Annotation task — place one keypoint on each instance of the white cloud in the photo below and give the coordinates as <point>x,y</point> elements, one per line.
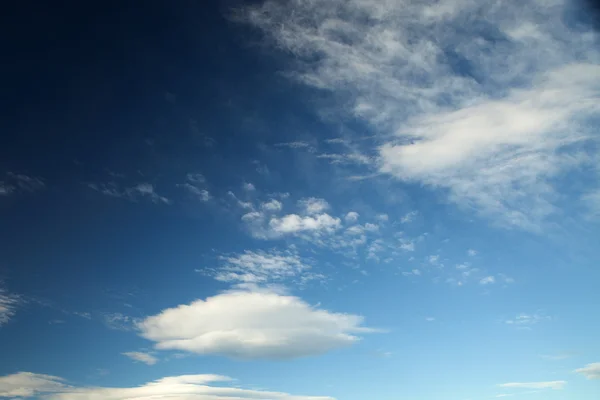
<point>351,217</point>
<point>296,145</point>
<point>261,267</point>
<point>146,358</point>
<point>429,319</point>
<point>194,187</point>
<point>592,202</point>
<point>408,217</point>
<point>527,319</point>
<point>590,371</point>
<point>313,205</point>
<point>407,245</point>
<point>132,193</point>
<point>346,158</point>
<point>8,306</point>
<point>252,325</point>
<point>272,205</point>
<point>249,187</point>
<point>183,387</point>
<point>556,385</point>
<point>200,194</point>
<point>492,110</point>
<point>487,280</point>
<point>472,253</point>
<point>293,223</point>
<point>27,384</point>
<point>119,321</point>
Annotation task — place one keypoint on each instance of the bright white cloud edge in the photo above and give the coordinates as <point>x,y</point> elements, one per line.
<point>258,324</point>
<point>183,387</point>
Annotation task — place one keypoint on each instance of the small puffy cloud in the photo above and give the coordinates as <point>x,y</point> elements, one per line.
<point>146,358</point>
<point>252,325</point>
<point>313,205</point>
<point>293,223</point>
<point>188,387</point>
<point>382,217</point>
<point>249,187</point>
<point>556,385</point>
<point>272,205</point>
<point>590,371</point>
<point>407,245</point>
<point>487,280</point>
<point>429,319</point>
<point>408,217</point>
<point>472,253</point>
<point>351,217</point>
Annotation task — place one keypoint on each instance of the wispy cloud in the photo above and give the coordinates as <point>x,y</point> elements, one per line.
<point>590,371</point>
<point>146,358</point>
<point>15,183</point>
<point>527,320</point>
<point>194,185</point>
<point>556,385</point>
<point>132,193</point>
<point>119,321</point>
<point>190,387</point>
<point>492,109</point>
<point>8,305</point>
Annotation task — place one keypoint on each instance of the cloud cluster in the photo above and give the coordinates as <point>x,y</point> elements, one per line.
<point>252,325</point>
<point>311,220</point>
<point>183,387</point>
<point>489,103</point>
<point>262,267</point>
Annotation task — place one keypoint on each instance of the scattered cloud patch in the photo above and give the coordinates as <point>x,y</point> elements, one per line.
<point>262,267</point>
<point>408,217</point>
<point>313,206</point>
<point>527,320</point>
<point>8,305</point>
<point>487,280</point>
<point>272,206</point>
<point>471,252</point>
<point>146,358</point>
<point>252,325</point>
<point>351,217</point>
<point>119,321</point>
<point>590,371</point>
<point>493,120</point>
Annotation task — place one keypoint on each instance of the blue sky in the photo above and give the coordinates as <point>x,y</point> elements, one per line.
<point>301,200</point>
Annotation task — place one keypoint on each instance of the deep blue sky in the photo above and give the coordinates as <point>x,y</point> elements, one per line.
<point>318,199</point>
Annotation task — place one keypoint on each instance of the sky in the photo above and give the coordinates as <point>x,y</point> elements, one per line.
<point>300,200</point>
